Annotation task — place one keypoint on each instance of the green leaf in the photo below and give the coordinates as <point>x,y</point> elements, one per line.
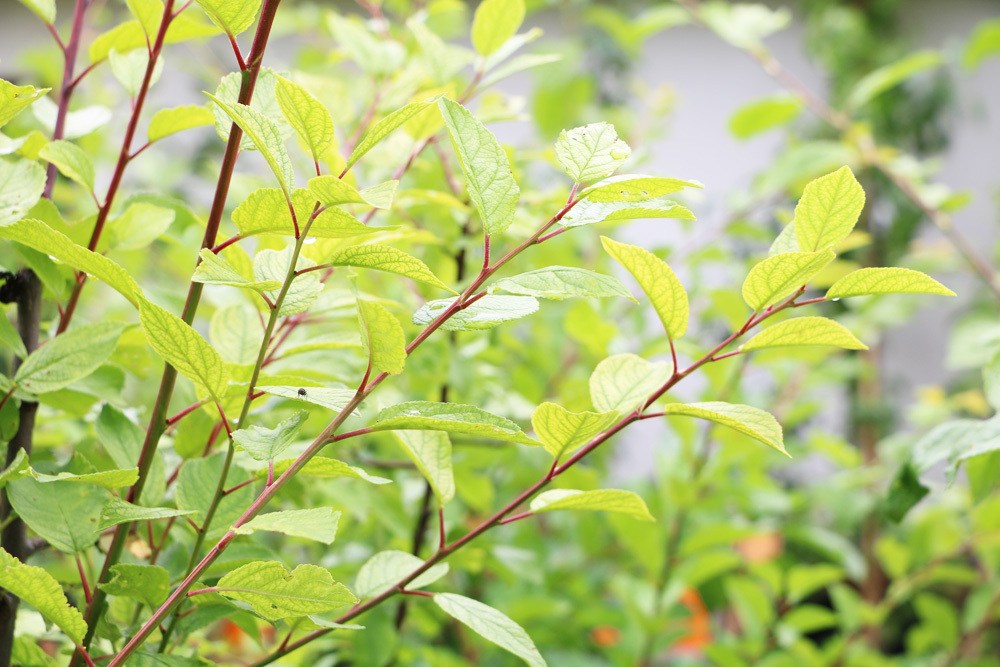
<point>44,9</point>
<point>751,421</point>
<point>266,444</point>
<point>598,500</point>
<point>135,34</point>
<point>386,568</point>
<point>382,338</point>
<point>213,269</point>
<point>633,188</point>
<point>592,212</point>
<point>233,16</point>
<point>275,593</point>
<point>148,584</point>
<point>129,69</point>
<point>591,152</point>
<point>123,441</point>
<point>197,483</point>
<point>21,185</point>
<point>68,357</point>
<point>335,399</point>
<point>623,381</point>
<point>266,137</point>
<point>562,432</point>
<point>106,479</point>
<point>265,211</point>
<point>386,126</point>
<point>828,210</point>
<point>318,523</point>
<point>326,468</point>
<point>333,191</point>
<point>71,161</point>
<point>488,312</point>
<point>17,469</point>
<point>140,225</point>
<point>235,332</point>
<point>984,43</point>
<point>386,258</point>
<point>562,282</point>
<point>886,280</point>
<point>118,511</point>
<point>177,119</point>
<point>762,115</point>
<point>64,514</point>
<point>494,22</point>
<point>183,348</point>
<point>451,417</point>
<point>380,195</point>
<point>804,331</point>
<point>430,451</point>
<point>489,179</point>
<point>744,25</point>
<point>14,99</point>
<point>40,589</point>
<point>885,78</point>
<point>272,266</point>
<point>307,116</point>
<point>657,280</point>
<point>491,625</point>
<point>781,275</point>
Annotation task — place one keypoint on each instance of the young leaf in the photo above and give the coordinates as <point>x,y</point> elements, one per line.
<point>779,276</point>
<point>44,9</point>
<point>633,188</point>
<point>382,337</point>
<point>430,451</point>
<point>491,625</point>
<point>562,431</point>
<point>748,420</point>
<point>451,417</point>
<point>762,115</point>
<point>592,212</point>
<point>332,191</point>
<point>383,570</point>
<point>266,136</point>
<point>489,178</point>
<point>171,121</point>
<point>14,99</point>
<point>266,444</point>
<point>386,258</point>
<point>828,210</point>
<point>488,312</point>
<point>331,398</point>
<point>307,116</point>
<point>804,331</point>
<point>129,69</point>
<point>69,357</point>
<point>885,280</point>
<point>326,468</point>
<point>562,282</point>
<point>317,523</point>
<point>272,266</point>
<point>885,78</point>
<point>64,514</point>
<point>657,280</point>
<point>235,332</point>
<point>265,211</point>
<point>183,348</point>
<point>71,160</point>
<point>598,500</point>
<point>118,511</point>
<point>275,593</point>
<point>40,589</point>
<point>106,479</point>
<point>233,16</point>
<point>21,185</point>
<point>148,584</point>
<point>17,469</point>
<point>591,152</point>
<point>387,126</point>
<point>380,195</point>
<point>213,269</point>
<point>494,22</point>
<point>622,381</point>
<point>140,225</point>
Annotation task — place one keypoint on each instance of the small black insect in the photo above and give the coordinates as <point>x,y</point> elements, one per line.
<point>302,392</point>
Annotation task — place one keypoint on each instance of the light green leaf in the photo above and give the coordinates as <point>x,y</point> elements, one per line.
<point>657,280</point>
<point>272,266</point>
<point>744,25</point>
<point>266,444</point>
<point>40,589</point>
<point>762,115</point>
<point>804,331</point>
<point>215,270</point>
<point>488,312</point>
<point>561,431</point>
<point>68,357</point>
<point>591,152</point>
<point>317,523</point>
<point>10,338</point>
<point>386,126</point>
<point>233,16</point>
<point>491,625</point>
<point>122,440</point>
<point>516,65</point>
<point>21,185</point>
<point>381,195</point>
<point>592,212</point>
<point>386,258</point>
<point>106,479</point>
<point>828,210</point>
<point>382,337</point>
<point>984,43</point>
<point>264,102</point>
<point>265,211</point>
<point>326,468</point>
<point>562,282</point>
<point>140,225</point>
<point>430,451</point>
<point>623,381</point>
<point>78,123</point>
<point>17,469</point>
<point>235,332</point>
<point>886,280</point>
<point>386,568</point>
<point>598,500</point>
<point>197,483</point>
<point>183,348</point>
<point>177,119</point>
<point>44,9</point>
<point>64,514</point>
<point>331,398</point>
<point>332,191</point>
<point>133,35</point>
<point>129,69</point>
<point>118,511</point>
<point>266,137</point>
<point>307,116</point>
<point>785,241</point>
<point>885,78</point>
<point>751,421</point>
<point>14,99</point>
<point>451,417</point>
<point>779,276</point>
<point>494,22</point>
<point>489,179</point>
<point>275,593</point>
<point>148,584</point>
<point>71,161</point>
<point>634,188</point>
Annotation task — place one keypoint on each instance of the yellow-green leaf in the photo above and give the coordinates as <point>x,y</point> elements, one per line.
<point>886,280</point>
<point>177,119</point>
<point>275,593</point>
<point>22,183</point>
<point>315,523</point>
<point>266,137</point>
<point>307,116</point>
<point>779,276</point>
<point>634,188</point>
<point>387,126</point>
<point>591,152</point>
<point>14,99</point>
<point>828,210</point>
<point>562,431</point>
<point>265,211</point>
<point>885,78</point>
<point>215,270</point>
<point>805,331</point>
<point>657,280</point>
<point>430,451</point>
<point>623,381</point>
<point>40,589</point>
<point>494,22</point>
<point>71,160</point>
<point>492,625</point>
<point>751,421</point>
<point>44,9</point>
<point>233,16</point>
<point>598,500</point>
<point>382,337</point>
<point>67,358</point>
<point>450,417</point>
<point>386,258</point>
